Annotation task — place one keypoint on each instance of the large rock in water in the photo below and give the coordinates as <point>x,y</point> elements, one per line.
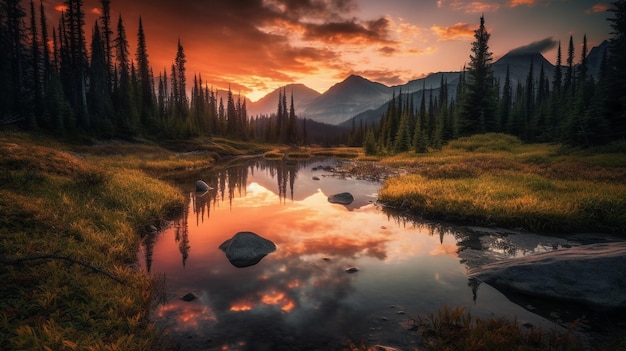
<point>246,249</point>
<point>343,198</point>
<point>202,186</point>
<point>594,275</point>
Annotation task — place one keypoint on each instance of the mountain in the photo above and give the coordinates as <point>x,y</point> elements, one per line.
<point>594,58</point>
<point>267,105</point>
<point>519,65</point>
<point>346,99</point>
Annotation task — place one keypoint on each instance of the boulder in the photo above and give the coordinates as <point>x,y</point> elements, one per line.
<point>246,249</point>
<point>342,199</point>
<point>593,275</point>
<point>202,186</point>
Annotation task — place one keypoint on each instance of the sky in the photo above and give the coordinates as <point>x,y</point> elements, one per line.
<point>256,46</point>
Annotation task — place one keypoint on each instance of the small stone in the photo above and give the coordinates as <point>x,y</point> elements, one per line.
<point>352,270</point>
<point>189,297</point>
<point>316,178</point>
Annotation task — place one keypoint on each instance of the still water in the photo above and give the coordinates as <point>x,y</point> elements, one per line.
<point>300,297</point>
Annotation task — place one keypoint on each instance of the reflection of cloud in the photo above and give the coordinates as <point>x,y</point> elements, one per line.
<point>598,8</point>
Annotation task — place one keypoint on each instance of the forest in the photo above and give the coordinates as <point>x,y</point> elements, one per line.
<point>50,81</point>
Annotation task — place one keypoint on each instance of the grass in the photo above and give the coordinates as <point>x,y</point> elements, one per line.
<point>53,202</point>
<point>456,329</point>
<point>494,179</point>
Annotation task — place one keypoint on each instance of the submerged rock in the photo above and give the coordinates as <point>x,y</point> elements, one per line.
<point>202,186</point>
<point>246,249</point>
<point>593,275</point>
<point>189,297</point>
<point>342,199</point>
<point>352,270</point>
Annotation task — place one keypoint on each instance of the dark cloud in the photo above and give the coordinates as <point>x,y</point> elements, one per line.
<point>349,32</point>
<point>534,47</point>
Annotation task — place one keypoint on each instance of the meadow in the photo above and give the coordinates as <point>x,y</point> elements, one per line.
<point>495,180</point>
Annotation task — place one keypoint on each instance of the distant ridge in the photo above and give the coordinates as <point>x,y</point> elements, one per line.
<point>364,100</point>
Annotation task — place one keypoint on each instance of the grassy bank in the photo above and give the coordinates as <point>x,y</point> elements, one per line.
<point>70,217</point>
<point>494,179</point>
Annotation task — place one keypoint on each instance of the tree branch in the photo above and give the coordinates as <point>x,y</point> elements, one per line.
<point>19,260</point>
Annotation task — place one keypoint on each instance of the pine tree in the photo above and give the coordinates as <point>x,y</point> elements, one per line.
<point>506,103</point>
<point>145,97</point>
<point>99,98</point>
<point>45,53</point>
<point>181,85</point>
<point>615,103</point>
<point>478,114</point>
<point>78,64</point>
<point>123,95</point>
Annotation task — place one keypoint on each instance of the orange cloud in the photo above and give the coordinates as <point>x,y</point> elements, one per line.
<point>457,31</point>
<point>481,7</point>
<point>61,8</point>
<point>515,3</point>
<point>96,11</point>
<point>598,8</point>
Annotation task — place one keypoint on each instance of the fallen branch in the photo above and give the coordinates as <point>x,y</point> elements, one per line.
<point>19,260</point>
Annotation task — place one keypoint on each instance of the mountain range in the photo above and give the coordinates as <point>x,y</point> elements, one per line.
<point>357,99</point>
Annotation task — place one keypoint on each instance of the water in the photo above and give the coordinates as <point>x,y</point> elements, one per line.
<point>300,297</point>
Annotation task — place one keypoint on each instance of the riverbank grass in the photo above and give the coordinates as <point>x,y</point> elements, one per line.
<point>494,179</point>
<point>69,233</point>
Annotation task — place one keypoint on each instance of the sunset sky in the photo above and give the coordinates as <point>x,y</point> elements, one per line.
<point>260,45</point>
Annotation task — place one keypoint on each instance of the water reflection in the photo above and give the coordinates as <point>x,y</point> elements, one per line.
<point>300,296</point>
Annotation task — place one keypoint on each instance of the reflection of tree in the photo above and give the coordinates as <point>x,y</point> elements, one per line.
<point>182,234</point>
<point>474,284</point>
<point>148,243</point>
<point>285,173</point>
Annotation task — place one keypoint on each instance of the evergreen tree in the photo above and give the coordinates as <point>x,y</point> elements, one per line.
<point>180,98</point>
<point>45,53</point>
<point>145,97</point>
<point>76,68</point>
<point>478,114</point>
<point>506,103</point>
<point>615,103</point>
<point>99,98</point>
<point>123,95</point>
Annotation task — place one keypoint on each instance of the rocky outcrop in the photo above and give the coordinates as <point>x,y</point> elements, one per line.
<point>202,187</point>
<point>342,199</point>
<point>593,275</point>
<point>246,249</point>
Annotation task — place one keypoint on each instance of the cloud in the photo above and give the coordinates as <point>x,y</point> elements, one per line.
<point>385,76</point>
<point>515,3</point>
<point>457,31</point>
<point>481,7</point>
<point>534,47</point>
<point>370,32</point>
<point>598,8</point>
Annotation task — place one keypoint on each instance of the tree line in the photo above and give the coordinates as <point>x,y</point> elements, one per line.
<point>50,81</point>
<point>572,107</point>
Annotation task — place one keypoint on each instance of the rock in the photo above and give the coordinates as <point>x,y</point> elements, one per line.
<point>342,199</point>
<point>352,270</point>
<point>316,178</point>
<point>593,275</point>
<point>202,186</point>
<point>189,297</point>
<point>246,249</point>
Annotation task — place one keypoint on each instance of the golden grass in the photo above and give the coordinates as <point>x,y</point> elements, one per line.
<point>538,187</point>
<point>55,202</point>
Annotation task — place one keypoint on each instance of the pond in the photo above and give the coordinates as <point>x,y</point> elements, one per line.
<point>303,296</point>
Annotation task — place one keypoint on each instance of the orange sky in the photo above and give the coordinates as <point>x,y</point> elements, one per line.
<point>257,46</point>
